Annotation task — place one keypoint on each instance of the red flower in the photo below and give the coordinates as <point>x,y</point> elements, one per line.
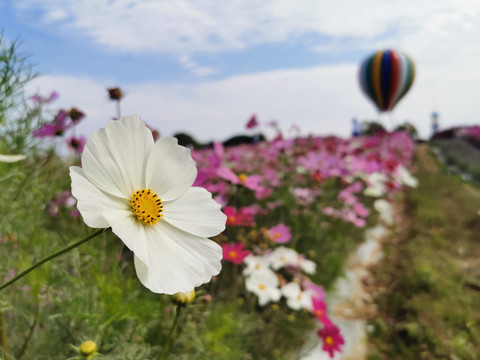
<point>332,339</point>
<point>234,253</point>
<point>242,217</point>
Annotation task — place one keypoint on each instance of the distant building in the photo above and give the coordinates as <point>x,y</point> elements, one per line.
<point>434,123</point>
<point>356,128</point>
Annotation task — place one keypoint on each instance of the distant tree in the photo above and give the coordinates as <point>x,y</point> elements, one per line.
<point>372,128</point>
<point>187,140</point>
<point>409,129</point>
<point>244,139</point>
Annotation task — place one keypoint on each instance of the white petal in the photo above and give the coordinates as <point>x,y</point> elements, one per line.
<point>196,212</point>
<point>114,158</point>
<point>92,202</point>
<point>178,261</point>
<point>131,231</point>
<point>170,169</point>
<point>11,158</point>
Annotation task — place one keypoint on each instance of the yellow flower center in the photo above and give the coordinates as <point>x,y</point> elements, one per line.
<point>232,254</point>
<point>329,340</point>
<point>262,287</point>
<point>147,206</point>
<point>318,313</point>
<point>242,177</point>
<point>278,234</point>
<point>257,266</point>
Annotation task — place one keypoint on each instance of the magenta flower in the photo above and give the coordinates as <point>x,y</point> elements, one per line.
<point>234,253</point>
<point>279,234</point>
<point>40,99</point>
<point>320,311</point>
<point>332,339</point>
<point>77,144</point>
<point>242,217</point>
<point>55,128</point>
<point>252,123</point>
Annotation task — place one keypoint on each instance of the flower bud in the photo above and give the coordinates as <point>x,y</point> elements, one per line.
<point>181,298</point>
<point>115,93</point>
<point>88,347</point>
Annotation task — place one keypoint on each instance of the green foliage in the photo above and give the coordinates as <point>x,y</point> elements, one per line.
<point>430,310</point>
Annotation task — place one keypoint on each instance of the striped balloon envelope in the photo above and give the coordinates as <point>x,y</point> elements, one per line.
<point>386,76</point>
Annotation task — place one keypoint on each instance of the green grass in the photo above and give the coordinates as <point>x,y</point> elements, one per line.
<point>429,308</point>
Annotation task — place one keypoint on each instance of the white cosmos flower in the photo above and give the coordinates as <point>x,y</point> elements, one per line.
<point>296,298</point>
<point>255,263</point>
<point>403,176</point>
<point>283,256</point>
<point>264,284</point>
<point>142,190</point>
<point>307,265</point>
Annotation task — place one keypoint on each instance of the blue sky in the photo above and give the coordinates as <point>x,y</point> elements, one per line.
<point>204,67</point>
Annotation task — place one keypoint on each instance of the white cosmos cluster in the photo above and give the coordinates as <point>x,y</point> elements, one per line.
<point>377,181</point>
<point>263,278</point>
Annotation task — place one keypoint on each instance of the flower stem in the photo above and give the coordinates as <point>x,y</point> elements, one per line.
<point>168,342</point>
<point>3,335</point>
<point>50,257</point>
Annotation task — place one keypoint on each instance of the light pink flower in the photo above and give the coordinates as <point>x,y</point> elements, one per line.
<point>279,234</point>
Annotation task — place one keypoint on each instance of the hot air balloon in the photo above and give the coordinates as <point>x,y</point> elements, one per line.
<point>386,76</point>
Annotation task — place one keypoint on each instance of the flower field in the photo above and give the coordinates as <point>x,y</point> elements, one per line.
<point>260,232</point>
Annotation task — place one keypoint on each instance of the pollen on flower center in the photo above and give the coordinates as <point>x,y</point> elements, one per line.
<point>147,206</point>
<point>329,340</point>
<point>242,177</point>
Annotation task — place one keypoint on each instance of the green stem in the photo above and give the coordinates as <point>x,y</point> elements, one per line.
<point>50,257</point>
<point>3,335</point>
<point>168,342</point>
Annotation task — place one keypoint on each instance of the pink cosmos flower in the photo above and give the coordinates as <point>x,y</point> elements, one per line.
<point>319,292</point>
<point>234,253</point>
<point>40,99</point>
<point>76,143</point>
<point>361,210</point>
<point>242,217</point>
<point>279,234</point>
<point>263,193</point>
<point>252,123</point>
<point>251,182</point>
<point>62,200</point>
<point>332,339</point>
<point>55,128</point>
<point>320,311</point>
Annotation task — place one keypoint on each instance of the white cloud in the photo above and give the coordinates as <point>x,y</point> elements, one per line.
<point>195,68</point>
<point>189,27</point>
<point>320,100</point>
